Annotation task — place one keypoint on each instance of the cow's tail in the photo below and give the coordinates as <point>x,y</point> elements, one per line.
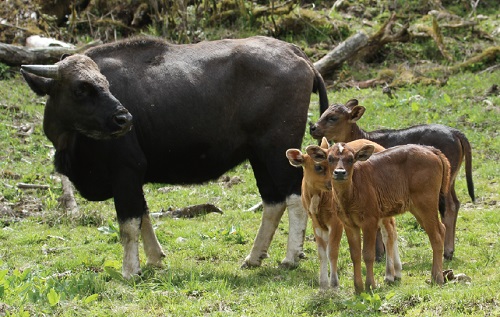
<point>320,88</point>
<point>445,181</point>
<point>467,150</point>
<point>319,84</point>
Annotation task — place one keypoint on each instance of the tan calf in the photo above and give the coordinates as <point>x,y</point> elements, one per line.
<point>401,178</point>
<point>339,123</point>
<point>317,199</point>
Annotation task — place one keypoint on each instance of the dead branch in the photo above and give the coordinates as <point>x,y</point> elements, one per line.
<point>435,33</point>
<point>383,36</point>
<point>360,46</point>
<point>188,212</point>
<point>488,55</point>
<point>32,186</point>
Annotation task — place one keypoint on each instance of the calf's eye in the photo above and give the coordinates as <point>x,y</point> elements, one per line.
<point>319,168</point>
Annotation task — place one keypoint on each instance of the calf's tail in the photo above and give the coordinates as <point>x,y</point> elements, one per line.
<point>466,148</point>
<point>445,181</point>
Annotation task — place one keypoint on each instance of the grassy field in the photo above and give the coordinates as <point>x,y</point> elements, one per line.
<point>55,265</point>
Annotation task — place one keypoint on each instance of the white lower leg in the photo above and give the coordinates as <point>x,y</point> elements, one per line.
<point>270,219</point>
<point>129,236</point>
<point>152,247</point>
<point>398,266</point>
<point>321,243</point>
<point>297,218</point>
<point>389,257</point>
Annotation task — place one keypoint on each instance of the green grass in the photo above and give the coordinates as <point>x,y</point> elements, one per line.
<point>51,264</point>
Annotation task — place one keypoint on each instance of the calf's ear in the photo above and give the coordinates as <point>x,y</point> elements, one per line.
<point>40,85</point>
<point>351,103</point>
<point>324,143</point>
<point>356,113</point>
<point>317,153</point>
<point>364,153</point>
<point>295,157</point>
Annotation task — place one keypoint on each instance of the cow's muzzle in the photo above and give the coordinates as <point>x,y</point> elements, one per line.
<point>123,121</point>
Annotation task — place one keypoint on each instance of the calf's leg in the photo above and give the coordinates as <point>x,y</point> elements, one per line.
<point>450,221</point>
<point>321,237</point>
<point>429,220</point>
<point>354,240</point>
<point>335,235</point>
<point>369,237</point>
<point>386,230</point>
<point>380,248</point>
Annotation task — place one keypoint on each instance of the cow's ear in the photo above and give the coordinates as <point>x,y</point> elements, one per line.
<point>295,157</point>
<point>316,153</point>
<point>40,85</point>
<point>356,113</point>
<point>324,143</point>
<point>364,153</point>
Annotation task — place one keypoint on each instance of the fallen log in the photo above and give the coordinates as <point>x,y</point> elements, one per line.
<point>14,55</point>
<point>341,53</point>
<point>362,46</point>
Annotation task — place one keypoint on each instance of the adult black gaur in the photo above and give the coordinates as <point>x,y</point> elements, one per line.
<point>143,110</point>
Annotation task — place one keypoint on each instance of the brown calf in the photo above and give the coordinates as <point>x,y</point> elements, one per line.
<point>338,123</point>
<point>317,199</point>
<point>401,178</point>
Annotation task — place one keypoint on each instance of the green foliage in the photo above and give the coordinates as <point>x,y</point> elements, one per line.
<point>55,265</point>
<point>5,72</point>
<point>367,303</point>
<point>59,266</point>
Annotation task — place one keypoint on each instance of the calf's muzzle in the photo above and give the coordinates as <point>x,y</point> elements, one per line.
<point>339,174</point>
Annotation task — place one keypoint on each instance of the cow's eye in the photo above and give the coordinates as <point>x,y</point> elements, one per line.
<point>350,160</point>
<point>319,168</point>
<point>82,90</point>
<point>332,119</point>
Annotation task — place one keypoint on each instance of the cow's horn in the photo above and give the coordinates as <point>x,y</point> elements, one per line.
<point>49,71</point>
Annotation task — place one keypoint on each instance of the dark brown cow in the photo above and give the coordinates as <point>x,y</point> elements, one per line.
<point>399,179</point>
<point>143,110</point>
<point>338,124</point>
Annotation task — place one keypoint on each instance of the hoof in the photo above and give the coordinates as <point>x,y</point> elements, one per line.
<point>157,262</point>
<point>389,281</point>
<point>448,255</point>
<point>249,263</point>
<point>288,265</point>
<point>128,276</point>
